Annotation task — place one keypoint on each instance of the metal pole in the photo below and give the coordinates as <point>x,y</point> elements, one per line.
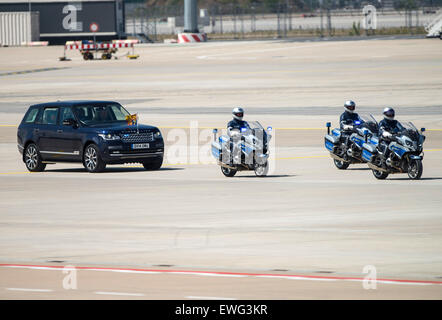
<point>191,16</point>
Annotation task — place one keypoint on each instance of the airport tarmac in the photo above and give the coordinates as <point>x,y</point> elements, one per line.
<point>307,219</point>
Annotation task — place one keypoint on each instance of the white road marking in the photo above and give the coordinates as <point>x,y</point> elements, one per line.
<point>208,298</point>
<point>120,294</point>
<point>29,290</point>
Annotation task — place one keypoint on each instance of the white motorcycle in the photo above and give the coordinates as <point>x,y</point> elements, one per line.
<point>244,149</point>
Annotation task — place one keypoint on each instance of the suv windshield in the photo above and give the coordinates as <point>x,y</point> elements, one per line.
<point>100,113</point>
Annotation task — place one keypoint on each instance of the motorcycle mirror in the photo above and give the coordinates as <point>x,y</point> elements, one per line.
<point>422,129</point>
<point>269,129</point>
<point>328,124</point>
<point>215,130</point>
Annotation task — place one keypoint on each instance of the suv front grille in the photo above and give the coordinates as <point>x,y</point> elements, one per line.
<point>134,137</point>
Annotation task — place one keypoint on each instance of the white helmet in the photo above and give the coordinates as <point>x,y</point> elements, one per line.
<point>238,113</point>
<point>389,113</point>
<point>349,106</point>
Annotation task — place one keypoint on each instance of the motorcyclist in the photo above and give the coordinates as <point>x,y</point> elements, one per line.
<point>347,120</point>
<point>237,122</point>
<point>388,127</point>
<point>234,131</point>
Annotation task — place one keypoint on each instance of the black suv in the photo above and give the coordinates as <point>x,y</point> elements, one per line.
<point>95,133</point>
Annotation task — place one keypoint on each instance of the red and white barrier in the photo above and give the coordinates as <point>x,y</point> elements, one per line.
<point>35,44</point>
<point>134,41</point>
<point>93,46</point>
<point>191,37</point>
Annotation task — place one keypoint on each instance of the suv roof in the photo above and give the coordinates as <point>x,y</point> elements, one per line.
<point>70,103</point>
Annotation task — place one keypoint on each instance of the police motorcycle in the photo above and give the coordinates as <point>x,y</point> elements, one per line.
<point>406,154</point>
<point>245,149</point>
<point>345,152</point>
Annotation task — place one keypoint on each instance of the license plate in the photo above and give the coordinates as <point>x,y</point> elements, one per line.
<point>140,146</point>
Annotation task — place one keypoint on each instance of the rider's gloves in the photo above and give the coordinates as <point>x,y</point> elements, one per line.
<point>387,134</point>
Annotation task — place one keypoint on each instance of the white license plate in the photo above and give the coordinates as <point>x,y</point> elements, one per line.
<point>140,146</point>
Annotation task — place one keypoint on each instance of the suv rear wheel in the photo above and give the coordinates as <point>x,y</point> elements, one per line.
<point>32,158</point>
<point>92,160</point>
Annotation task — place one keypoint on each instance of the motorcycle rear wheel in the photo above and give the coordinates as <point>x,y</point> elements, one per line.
<point>415,169</point>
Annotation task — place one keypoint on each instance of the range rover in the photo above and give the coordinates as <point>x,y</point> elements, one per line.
<point>95,133</point>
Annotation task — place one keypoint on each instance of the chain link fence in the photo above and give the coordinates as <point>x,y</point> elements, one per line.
<point>279,19</point>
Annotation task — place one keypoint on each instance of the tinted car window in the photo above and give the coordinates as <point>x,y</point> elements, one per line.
<point>102,113</point>
<point>49,116</point>
<point>66,113</point>
<point>32,115</point>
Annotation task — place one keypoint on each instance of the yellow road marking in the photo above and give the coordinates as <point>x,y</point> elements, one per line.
<point>171,127</point>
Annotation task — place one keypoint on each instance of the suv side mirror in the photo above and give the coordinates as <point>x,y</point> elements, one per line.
<point>70,122</point>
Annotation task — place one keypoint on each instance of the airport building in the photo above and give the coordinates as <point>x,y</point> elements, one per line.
<point>61,20</point>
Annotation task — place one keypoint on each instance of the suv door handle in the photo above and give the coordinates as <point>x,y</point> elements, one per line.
<point>36,130</point>
<point>59,131</point>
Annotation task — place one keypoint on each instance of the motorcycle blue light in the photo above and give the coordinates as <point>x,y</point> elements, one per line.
<point>243,129</point>
<point>357,122</point>
<point>269,129</point>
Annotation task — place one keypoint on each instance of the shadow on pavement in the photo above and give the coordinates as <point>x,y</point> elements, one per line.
<point>112,170</point>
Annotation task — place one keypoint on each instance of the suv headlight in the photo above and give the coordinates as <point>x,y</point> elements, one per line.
<point>109,136</point>
<point>157,134</point>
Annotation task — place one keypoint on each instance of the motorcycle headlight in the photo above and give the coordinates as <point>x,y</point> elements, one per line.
<point>109,136</point>
<point>409,143</point>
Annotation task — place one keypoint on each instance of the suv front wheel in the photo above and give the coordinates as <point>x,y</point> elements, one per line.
<point>32,159</point>
<point>153,164</point>
<point>92,160</point>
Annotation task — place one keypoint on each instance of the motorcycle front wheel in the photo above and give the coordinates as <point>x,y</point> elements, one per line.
<point>415,169</point>
<point>381,175</point>
<point>228,172</point>
<point>341,165</point>
<point>261,170</point>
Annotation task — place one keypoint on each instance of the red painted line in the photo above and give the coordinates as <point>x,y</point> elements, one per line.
<point>269,275</point>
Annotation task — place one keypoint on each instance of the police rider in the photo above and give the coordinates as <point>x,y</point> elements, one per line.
<point>388,127</point>
<point>347,119</point>
<point>237,122</point>
<point>234,131</point>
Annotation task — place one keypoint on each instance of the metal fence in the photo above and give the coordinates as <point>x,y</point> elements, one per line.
<point>282,19</point>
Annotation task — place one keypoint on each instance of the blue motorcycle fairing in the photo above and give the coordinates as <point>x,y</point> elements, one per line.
<point>336,132</point>
<point>397,149</point>
<point>367,155</point>
<point>357,140</point>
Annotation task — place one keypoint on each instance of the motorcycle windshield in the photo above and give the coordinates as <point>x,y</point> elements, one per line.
<point>370,123</point>
<point>410,130</point>
<point>254,125</point>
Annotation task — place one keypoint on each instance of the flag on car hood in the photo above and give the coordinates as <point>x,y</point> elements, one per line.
<point>132,119</point>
